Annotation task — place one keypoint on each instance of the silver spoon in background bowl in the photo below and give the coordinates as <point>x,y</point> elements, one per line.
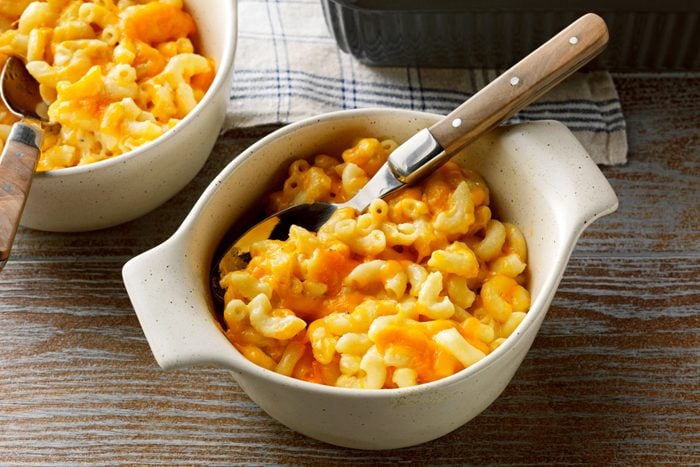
<point>20,93</point>
<point>428,149</point>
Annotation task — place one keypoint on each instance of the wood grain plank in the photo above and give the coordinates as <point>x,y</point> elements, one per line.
<point>613,376</point>
<point>606,381</point>
<point>659,189</point>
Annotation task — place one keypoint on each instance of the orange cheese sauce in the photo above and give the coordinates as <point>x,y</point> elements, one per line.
<point>148,61</point>
<point>430,362</point>
<point>158,22</point>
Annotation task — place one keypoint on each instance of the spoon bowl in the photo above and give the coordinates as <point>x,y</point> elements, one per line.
<point>20,93</point>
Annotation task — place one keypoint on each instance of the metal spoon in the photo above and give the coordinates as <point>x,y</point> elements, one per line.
<point>20,93</point>
<point>420,155</point>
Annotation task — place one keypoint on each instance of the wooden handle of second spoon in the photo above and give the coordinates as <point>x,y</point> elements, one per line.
<point>17,164</point>
<point>526,81</point>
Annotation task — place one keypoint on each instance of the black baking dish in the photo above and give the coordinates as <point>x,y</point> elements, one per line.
<point>644,35</point>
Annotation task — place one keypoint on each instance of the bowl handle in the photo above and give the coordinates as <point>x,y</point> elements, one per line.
<point>174,308</point>
<point>593,197</point>
<point>574,182</point>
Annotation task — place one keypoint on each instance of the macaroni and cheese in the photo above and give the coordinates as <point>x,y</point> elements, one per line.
<point>421,285</point>
<point>114,73</point>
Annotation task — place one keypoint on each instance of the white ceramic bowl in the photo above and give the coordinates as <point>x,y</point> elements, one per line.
<point>116,190</point>
<point>540,178</point>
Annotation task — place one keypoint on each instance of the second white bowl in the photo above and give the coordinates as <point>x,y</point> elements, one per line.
<point>116,190</point>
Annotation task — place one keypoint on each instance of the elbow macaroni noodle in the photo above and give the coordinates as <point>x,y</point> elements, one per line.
<point>115,74</point>
<point>418,287</point>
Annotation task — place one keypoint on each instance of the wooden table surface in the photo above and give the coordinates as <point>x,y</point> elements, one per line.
<point>613,376</point>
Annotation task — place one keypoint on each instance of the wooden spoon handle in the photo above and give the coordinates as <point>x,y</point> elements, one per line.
<point>526,81</point>
<point>17,164</point>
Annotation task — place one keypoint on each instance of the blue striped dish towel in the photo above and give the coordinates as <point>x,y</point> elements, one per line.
<point>288,67</point>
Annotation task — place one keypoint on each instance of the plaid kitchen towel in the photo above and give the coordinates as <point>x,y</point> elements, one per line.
<point>288,67</point>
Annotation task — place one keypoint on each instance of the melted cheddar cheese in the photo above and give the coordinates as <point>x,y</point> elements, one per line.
<point>417,288</point>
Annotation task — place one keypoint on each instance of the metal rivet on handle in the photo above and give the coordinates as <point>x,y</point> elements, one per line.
<point>514,81</point>
<point>573,40</point>
<point>456,123</point>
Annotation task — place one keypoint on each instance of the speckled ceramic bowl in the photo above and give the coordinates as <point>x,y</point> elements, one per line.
<point>540,178</point>
<point>120,189</point>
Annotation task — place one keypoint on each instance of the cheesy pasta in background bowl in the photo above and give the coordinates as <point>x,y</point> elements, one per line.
<point>136,93</point>
<point>539,179</point>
